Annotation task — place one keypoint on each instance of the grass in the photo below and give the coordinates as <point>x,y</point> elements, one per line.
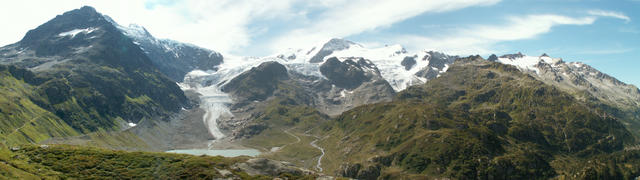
<point>21,120</point>
<point>77,162</point>
<point>300,153</point>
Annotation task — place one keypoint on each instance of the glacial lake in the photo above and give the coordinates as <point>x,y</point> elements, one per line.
<point>218,152</point>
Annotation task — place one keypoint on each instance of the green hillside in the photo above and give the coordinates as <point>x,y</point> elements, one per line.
<point>21,120</point>
<point>479,120</point>
<point>72,162</point>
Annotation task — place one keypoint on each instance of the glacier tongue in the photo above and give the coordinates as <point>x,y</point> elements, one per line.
<point>213,101</point>
<point>208,84</point>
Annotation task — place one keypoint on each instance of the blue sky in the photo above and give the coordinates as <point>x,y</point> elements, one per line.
<point>601,33</point>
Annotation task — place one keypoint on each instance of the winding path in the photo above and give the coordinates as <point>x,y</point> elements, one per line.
<point>313,144</point>
<point>291,134</point>
<point>319,164</point>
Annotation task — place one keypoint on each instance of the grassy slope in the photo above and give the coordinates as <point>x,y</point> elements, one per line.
<point>63,162</point>
<point>285,120</point>
<point>21,120</point>
<point>481,119</point>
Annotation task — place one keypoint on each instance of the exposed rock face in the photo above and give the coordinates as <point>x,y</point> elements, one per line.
<point>512,56</point>
<point>348,74</point>
<point>408,62</point>
<point>438,63</point>
<point>493,58</point>
<point>358,171</point>
<point>258,83</point>
<point>428,73</point>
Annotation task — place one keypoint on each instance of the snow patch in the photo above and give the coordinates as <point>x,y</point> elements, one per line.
<point>75,32</point>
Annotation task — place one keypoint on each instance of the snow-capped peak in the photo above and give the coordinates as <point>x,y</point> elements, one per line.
<point>338,44</point>
<point>388,59</point>
<point>135,31</point>
<point>528,63</point>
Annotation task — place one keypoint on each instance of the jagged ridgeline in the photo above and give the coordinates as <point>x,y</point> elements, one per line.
<point>479,120</point>
<point>86,73</point>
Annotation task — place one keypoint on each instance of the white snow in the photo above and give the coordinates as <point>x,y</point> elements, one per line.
<point>387,59</point>
<point>577,65</point>
<point>527,63</point>
<point>75,32</point>
<point>132,124</point>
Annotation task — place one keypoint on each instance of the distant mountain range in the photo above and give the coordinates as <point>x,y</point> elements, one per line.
<point>338,107</point>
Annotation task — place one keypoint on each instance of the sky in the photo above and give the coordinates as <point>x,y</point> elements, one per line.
<point>602,33</point>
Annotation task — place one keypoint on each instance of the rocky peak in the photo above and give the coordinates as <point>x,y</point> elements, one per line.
<point>408,62</point>
<point>493,58</point>
<point>439,60</point>
<point>348,74</point>
<point>513,56</point>
<point>83,18</point>
<point>172,58</point>
<point>335,44</point>
<point>258,83</point>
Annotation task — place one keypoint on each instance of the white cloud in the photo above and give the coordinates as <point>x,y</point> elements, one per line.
<point>346,18</point>
<point>221,25</point>
<point>480,39</point>
<point>612,14</point>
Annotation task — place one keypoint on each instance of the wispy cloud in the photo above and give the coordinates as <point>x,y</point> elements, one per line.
<point>612,14</point>
<point>352,17</point>
<point>480,39</point>
<point>222,25</point>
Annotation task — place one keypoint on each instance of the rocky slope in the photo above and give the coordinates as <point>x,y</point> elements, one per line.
<point>172,58</point>
<point>271,81</point>
<point>585,83</point>
<point>479,120</point>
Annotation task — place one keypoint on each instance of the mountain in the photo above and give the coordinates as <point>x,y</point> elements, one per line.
<point>172,58</point>
<point>91,75</point>
<point>584,82</point>
<point>399,67</point>
<point>480,119</point>
<point>337,107</point>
